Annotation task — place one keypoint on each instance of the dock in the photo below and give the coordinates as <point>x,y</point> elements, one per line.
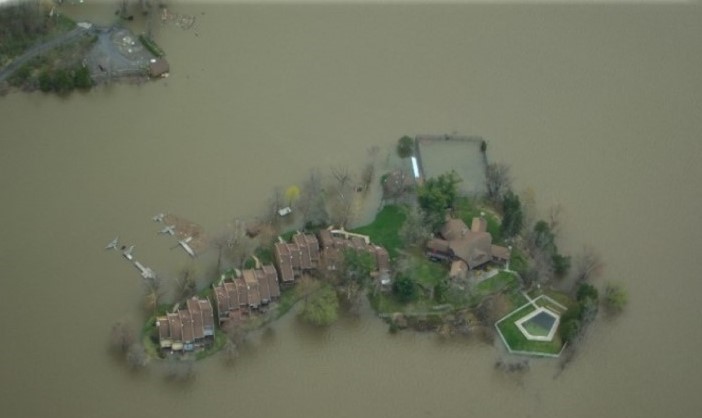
<point>146,272</point>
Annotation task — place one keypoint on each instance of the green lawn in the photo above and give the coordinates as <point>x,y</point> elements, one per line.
<point>501,281</point>
<point>383,229</point>
<point>428,273</point>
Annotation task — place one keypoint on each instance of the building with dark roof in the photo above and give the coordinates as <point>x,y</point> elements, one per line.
<point>186,329</point>
<point>471,246</point>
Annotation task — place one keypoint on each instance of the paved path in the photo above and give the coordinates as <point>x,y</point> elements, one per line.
<point>40,49</point>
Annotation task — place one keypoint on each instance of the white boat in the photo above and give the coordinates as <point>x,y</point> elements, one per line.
<point>158,217</point>
<point>113,244</point>
<point>128,253</point>
<point>188,249</point>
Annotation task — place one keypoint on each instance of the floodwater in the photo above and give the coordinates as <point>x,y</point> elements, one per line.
<point>596,107</point>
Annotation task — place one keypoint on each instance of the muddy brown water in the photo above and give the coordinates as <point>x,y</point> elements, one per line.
<point>595,107</point>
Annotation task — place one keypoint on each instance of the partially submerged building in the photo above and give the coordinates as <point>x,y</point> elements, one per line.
<point>187,329</point>
<point>296,257</point>
<point>467,248</point>
<point>238,296</point>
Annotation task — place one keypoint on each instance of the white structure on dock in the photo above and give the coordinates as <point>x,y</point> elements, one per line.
<point>146,272</point>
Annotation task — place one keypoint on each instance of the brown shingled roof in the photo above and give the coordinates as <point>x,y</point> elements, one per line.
<point>252,288</point>
<point>272,277</point>
<point>263,286</point>
<point>187,323</point>
<point>196,315</point>
<point>222,299</point>
<point>284,261</point>
<point>207,316</point>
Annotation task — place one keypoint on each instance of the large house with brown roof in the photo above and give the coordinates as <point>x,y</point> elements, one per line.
<point>187,329</point>
<point>296,257</point>
<point>239,296</point>
<point>471,246</point>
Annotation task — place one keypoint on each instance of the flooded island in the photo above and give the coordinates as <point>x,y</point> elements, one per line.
<point>459,255</point>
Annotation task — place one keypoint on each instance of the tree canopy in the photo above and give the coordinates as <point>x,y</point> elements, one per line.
<point>513,217</point>
<point>405,147</point>
<point>321,308</point>
<point>404,288</point>
<point>438,194</point>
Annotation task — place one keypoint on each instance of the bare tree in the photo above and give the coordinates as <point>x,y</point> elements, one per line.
<point>589,265</point>
<point>185,283</point>
<point>497,182</point>
<point>274,204</point>
<point>396,184</point>
<point>414,230</point>
<point>312,204</point>
<point>541,269</point>
<point>154,294</point>
<point>234,244</point>
<point>528,202</point>
<point>342,196</point>
<point>367,175</point>
<point>555,215</point>
<point>368,172</point>
<point>230,351</point>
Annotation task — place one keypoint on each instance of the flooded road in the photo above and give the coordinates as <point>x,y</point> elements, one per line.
<point>595,107</point>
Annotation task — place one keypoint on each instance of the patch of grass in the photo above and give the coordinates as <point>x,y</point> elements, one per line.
<point>384,228</point>
<point>499,282</point>
<point>428,274</point>
<point>288,299</point>
<point>265,254</point>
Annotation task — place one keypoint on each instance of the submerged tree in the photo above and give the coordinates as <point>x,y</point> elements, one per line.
<point>589,265</point>
<point>137,357</point>
<point>615,298</point>
<point>122,336</point>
